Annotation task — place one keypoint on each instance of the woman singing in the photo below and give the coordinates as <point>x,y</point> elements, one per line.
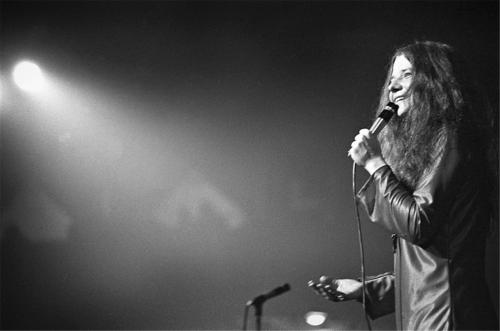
<point>431,188</point>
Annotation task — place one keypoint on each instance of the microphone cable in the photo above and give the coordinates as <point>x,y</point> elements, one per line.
<point>361,248</point>
<point>383,117</point>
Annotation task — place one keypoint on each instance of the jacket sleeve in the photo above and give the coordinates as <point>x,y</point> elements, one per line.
<point>379,295</point>
<point>412,216</point>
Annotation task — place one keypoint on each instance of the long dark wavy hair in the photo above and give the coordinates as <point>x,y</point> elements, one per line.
<point>444,103</point>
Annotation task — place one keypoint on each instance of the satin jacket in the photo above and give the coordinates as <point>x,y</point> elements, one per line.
<point>439,234</point>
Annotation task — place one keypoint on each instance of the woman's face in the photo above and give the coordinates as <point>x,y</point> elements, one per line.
<point>399,84</point>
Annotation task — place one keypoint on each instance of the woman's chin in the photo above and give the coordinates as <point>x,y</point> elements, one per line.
<point>403,108</point>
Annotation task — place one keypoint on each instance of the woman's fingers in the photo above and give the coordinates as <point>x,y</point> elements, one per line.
<point>327,288</point>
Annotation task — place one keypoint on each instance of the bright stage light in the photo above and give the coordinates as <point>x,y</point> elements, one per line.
<point>28,76</point>
<point>316,318</point>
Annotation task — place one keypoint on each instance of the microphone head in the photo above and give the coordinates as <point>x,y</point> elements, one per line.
<point>383,118</point>
<point>389,110</point>
<point>393,106</point>
<point>286,287</point>
<point>279,290</point>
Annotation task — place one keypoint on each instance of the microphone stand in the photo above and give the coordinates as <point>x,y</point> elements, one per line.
<point>258,314</point>
<point>257,303</point>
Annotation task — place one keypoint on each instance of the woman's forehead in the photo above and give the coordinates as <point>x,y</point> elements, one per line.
<point>401,63</point>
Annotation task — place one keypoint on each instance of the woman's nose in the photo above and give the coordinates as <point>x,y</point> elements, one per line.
<point>395,86</point>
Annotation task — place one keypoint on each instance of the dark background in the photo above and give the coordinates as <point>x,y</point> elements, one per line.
<point>188,156</point>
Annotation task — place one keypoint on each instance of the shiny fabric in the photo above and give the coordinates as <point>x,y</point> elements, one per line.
<point>439,234</point>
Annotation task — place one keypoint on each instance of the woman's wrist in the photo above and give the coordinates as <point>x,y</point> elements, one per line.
<point>374,164</point>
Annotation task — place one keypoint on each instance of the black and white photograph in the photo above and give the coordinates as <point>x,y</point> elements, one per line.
<point>249,165</point>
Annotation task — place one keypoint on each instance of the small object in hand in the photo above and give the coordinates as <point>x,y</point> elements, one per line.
<point>327,291</point>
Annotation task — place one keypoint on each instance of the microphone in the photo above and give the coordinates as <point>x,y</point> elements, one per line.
<point>271,294</point>
<point>383,118</point>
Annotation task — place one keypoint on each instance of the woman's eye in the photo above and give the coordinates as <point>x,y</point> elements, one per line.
<point>407,74</point>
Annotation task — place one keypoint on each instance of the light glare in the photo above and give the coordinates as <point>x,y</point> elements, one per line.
<point>28,76</point>
<point>315,318</point>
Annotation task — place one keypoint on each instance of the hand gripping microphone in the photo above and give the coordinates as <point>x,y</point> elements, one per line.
<point>383,118</point>
<point>263,297</point>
